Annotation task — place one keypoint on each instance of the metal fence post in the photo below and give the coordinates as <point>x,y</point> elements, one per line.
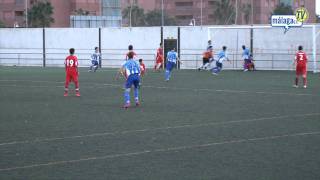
<point>272,63</point>
<point>18,59</point>
<point>234,61</point>
<point>100,63</point>
<point>44,47</point>
<point>196,62</point>
<point>178,48</point>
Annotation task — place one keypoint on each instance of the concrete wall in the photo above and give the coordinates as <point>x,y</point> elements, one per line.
<point>21,46</point>
<point>272,43</point>
<point>194,42</point>
<point>115,43</point>
<point>59,40</point>
<point>272,48</point>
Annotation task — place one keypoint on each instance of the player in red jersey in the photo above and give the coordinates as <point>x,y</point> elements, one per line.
<point>159,58</point>
<point>130,48</point>
<point>143,70</point>
<point>300,62</point>
<point>142,67</point>
<point>71,67</point>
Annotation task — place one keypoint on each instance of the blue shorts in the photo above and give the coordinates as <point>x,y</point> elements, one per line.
<point>133,79</point>
<point>219,64</point>
<point>170,65</point>
<point>247,61</point>
<point>94,63</point>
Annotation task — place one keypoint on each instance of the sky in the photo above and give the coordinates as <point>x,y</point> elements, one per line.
<point>318,7</point>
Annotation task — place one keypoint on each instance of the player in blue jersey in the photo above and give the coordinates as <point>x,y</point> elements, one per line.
<point>95,59</point>
<point>172,58</point>
<point>222,55</point>
<point>246,58</point>
<point>131,71</point>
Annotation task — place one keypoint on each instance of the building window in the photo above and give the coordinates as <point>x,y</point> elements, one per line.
<point>184,4</point>
<point>18,13</point>
<point>212,3</point>
<point>19,2</point>
<point>32,2</point>
<point>184,17</point>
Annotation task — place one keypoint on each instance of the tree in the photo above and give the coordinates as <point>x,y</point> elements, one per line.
<point>283,9</point>
<point>136,14</point>
<point>224,12</point>
<point>154,18</point>
<point>81,12</point>
<point>246,10</point>
<point>2,25</point>
<point>40,14</point>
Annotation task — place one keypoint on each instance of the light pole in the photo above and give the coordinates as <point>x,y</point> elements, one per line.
<point>26,1</point>
<point>236,12</point>
<point>130,14</point>
<point>162,15</point>
<point>201,12</point>
<point>192,22</point>
<point>101,7</point>
<point>251,12</point>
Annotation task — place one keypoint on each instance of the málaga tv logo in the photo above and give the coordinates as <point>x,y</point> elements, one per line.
<point>287,21</point>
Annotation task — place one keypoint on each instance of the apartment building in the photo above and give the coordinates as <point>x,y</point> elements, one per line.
<point>12,12</point>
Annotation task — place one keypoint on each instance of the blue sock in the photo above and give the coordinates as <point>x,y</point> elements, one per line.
<point>218,69</point>
<point>136,94</point>
<point>127,96</point>
<point>167,74</point>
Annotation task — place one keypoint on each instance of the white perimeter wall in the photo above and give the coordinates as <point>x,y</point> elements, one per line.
<point>24,46</point>
<point>21,46</point>
<point>115,43</point>
<point>194,42</point>
<point>272,43</point>
<point>59,40</point>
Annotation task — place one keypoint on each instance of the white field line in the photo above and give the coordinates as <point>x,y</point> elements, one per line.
<point>39,140</point>
<point>170,149</point>
<point>95,85</point>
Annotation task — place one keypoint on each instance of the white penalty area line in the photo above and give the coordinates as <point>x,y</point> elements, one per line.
<point>40,140</point>
<point>162,150</point>
<point>232,91</point>
<point>14,80</point>
<point>161,87</point>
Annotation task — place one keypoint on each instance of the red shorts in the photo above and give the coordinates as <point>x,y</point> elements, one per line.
<point>71,76</point>
<point>159,60</point>
<point>301,70</point>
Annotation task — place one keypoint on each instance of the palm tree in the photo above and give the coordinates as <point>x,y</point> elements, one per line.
<point>224,12</point>
<point>40,14</point>
<point>283,9</point>
<point>135,14</point>
<point>2,25</point>
<point>246,10</point>
<point>153,18</point>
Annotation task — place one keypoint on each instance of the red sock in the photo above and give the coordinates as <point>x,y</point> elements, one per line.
<point>305,81</point>
<point>76,83</point>
<point>66,84</point>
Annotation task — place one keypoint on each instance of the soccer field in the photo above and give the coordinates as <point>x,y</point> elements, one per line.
<point>237,125</point>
